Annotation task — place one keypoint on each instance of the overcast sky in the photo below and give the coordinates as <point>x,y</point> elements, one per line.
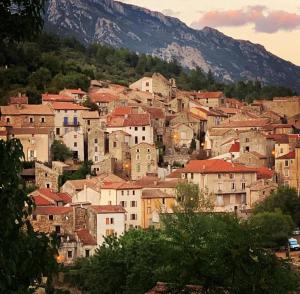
<point>274,24</point>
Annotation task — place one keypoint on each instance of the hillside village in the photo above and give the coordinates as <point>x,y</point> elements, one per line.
<point>142,141</point>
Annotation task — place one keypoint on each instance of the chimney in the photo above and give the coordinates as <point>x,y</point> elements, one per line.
<point>88,176</point>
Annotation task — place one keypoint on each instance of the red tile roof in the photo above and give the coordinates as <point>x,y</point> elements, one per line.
<point>235,147</point>
<point>155,193</point>
<point>24,109</point>
<point>48,193</point>
<point>264,173</point>
<point>136,119</point>
<point>155,182</point>
<point>290,155</point>
<point>244,123</point>
<point>155,112</point>
<point>121,111</point>
<point>56,97</point>
<point>120,185</point>
<point>216,166</point>
<point>41,201</point>
<point>67,106</point>
<point>108,209</point>
<point>176,174</point>
<point>85,237</point>
<point>208,95</point>
<point>74,91</point>
<point>52,210</point>
<point>103,97</point>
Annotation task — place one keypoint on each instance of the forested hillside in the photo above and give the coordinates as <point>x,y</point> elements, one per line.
<point>51,63</point>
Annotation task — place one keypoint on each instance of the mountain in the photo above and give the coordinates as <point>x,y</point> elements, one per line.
<point>146,31</point>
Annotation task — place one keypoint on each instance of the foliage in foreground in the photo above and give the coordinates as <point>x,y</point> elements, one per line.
<point>25,255</point>
<point>213,250</point>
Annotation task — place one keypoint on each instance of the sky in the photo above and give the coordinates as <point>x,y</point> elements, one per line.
<point>275,24</point>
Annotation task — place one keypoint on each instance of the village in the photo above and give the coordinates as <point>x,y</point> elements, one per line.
<point>142,141</point>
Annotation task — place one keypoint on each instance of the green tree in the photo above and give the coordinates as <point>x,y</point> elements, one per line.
<point>23,19</point>
<point>273,228</point>
<point>25,255</point>
<point>60,151</point>
<point>284,199</point>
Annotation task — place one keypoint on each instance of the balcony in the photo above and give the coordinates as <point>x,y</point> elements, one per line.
<point>71,124</point>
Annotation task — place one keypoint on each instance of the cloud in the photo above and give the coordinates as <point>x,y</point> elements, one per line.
<point>264,20</point>
<point>170,12</point>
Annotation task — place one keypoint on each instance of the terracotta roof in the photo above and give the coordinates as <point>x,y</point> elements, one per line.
<point>155,182</point>
<point>136,119</point>
<point>67,106</point>
<point>65,197</point>
<point>55,196</point>
<point>264,173</point>
<point>208,95</point>
<point>235,147</point>
<point>155,112</point>
<point>26,109</point>
<point>56,97</point>
<point>41,201</point>
<point>243,123</point>
<point>155,193</point>
<point>290,155</point>
<point>108,209</point>
<point>216,166</point>
<point>120,185</point>
<point>122,110</point>
<point>74,91</point>
<point>30,131</point>
<point>279,138</point>
<point>52,210</point>
<point>229,110</point>
<point>103,97</point>
<point>176,174</point>
<point>90,115</point>
<point>85,237</point>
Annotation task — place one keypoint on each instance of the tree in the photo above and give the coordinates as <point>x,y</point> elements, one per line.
<point>284,199</point>
<point>23,19</point>
<point>273,228</point>
<point>25,255</point>
<point>60,151</point>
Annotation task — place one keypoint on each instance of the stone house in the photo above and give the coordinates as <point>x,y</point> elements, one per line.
<point>48,98</point>
<point>96,144</point>
<point>90,120</point>
<point>143,160</point>
<point>225,182</point>
<point>259,190</point>
<point>209,99</point>
<point>138,125</point>
<point>107,165</point>
<point>286,169</point>
<point>109,220</point>
<point>36,142</point>
<point>27,116</point>
<point>155,202</point>
<point>253,159</point>
<point>181,135</point>
<point>294,120</point>
<point>285,106</point>
<point>119,142</point>
<point>73,138</point>
<point>48,197</point>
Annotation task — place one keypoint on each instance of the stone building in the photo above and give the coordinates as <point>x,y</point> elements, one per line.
<point>96,144</point>
<point>48,177</point>
<point>285,106</point>
<point>253,159</point>
<point>182,135</point>
<point>143,160</point>
<point>209,99</point>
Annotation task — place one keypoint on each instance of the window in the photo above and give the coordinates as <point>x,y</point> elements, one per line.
<point>88,122</point>
<point>163,200</point>
<point>136,140</point>
<point>122,192</point>
<point>137,157</point>
<point>65,121</point>
<point>243,186</point>
<point>8,120</point>
<point>109,221</point>
<point>231,176</point>
<point>192,176</point>
<point>247,140</point>
<point>50,217</point>
<point>42,120</point>
<point>109,232</point>
<point>219,176</point>
<point>114,144</point>
<point>133,192</point>
<point>96,158</point>
<point>144,128</point>
<point>135,128</point>
<point>34,217</point>
<point>75,136</point>
<point>247,149</point>
<point>281,150</point>
<point>286,172</point>
<point>96,141</point>
<point>286,163</point>
<point>128,192</point>
<point>75,144</point>
<point>87,253</point>
<point>137,150</point>
<point>123,203</point>
<point>31,120</point>
<point>138,167</point>
<point>143,138</point>
<point>47,186</point>
<point>109,203</point>
<point>96,149</point>
<point>133,216</point>
<point>148,150</point>
<point>133,203</point>
<point>70,253</point>
<point>75,121</point>
<point>46,175</point>
<point>57,229</point>
<point>147,84</point>
<point>232,186</point>
<point>57,131</point>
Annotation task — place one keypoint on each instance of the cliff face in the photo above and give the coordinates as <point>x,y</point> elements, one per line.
<point>145,31</point>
